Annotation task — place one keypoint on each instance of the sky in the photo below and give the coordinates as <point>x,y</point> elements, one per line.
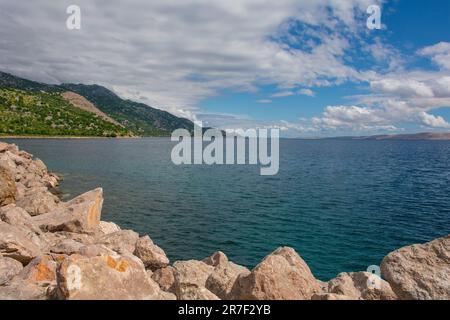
<point>311,68</point>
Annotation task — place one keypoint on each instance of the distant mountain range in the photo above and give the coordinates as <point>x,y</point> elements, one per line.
<point>412,136</point>
<point>112,115</point>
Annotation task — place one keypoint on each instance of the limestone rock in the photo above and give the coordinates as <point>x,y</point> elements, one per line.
<point>151,255</point>
<point>23,290</point>
<point>8,190</point>
<point>190,280</point>
<point>94,250</point>
<point>15,243</point>
<point>8,268</point>
<point>165,278</point>
<point>222,279</point>
<point>420,272</point>
<point>361,285</point>
<point>79,215</point>
<point>67,246</point>
<point>108,227</point>
<point>40,271</point>
<point>120,241</point>
<point>217,258</point>
<point>331,296</point>
<point>16,216</point>
<point>3,146</point>
<point>282,275</point>
<point>196,293</point>
<point>104,277</point>
<point>38,201</point>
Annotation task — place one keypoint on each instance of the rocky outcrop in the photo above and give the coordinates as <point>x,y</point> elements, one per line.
<point>165,277</point>
<point>8,189</point>
<point>222,278</point>
<point>107,227</point>
<point>360,286</point>
<point>420,272</point>
<point>81,214</point>
<point>151,255</point>
<point>8,269</point>
<point>123,241</point>
<point>104,277</point>
<point>51,249</point>
<point>282,275</point>
<point>16,244</point>
<point>190,280</point>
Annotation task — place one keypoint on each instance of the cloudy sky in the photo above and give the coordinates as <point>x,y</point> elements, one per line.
<point>309,67</point>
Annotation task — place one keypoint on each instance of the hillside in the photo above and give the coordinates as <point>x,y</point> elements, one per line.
<point>84,104</point>
<point>138,118</point>
<point>414,136</point>
<point>47,113</point>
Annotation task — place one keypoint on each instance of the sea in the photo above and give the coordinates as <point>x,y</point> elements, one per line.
<point>342,204</point>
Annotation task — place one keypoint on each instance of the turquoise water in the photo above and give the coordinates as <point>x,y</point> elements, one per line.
<point>343,205</point>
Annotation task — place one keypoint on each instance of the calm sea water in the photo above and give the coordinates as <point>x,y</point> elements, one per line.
<point>343,205</point>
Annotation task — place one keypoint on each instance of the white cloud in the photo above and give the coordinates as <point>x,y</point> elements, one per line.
<point>264,101</point>
<point>439,53</point>
<point>173,54</point>
<point>307,92</point>
<point>433,121</point>
<point>402,88</point>
<point>351,118</point>
<point>282,94</point>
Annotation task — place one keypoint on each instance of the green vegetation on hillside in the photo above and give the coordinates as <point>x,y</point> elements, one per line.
<point>47,113</point>
<point>138,118</point>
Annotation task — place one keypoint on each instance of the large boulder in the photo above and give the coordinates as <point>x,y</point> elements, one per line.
<point>361,286</point>
<point>67,246</point>
<point>216,259</point>
<point>151,255</point>
<point>190,280</point>
<point>4,146</point>
<point>40,271</point>
<point>95,250</point>
<point>222,279</point>
<point>79,215</point>
<point>8,269</point>
<point>37,201</point>
<point>16,244</point>
<point>165,277</point>
<point>123,241</point>
<point>23,290</point>
<point>107,227</point>
<point>421,271</point>
<point>332,296</point>
<point>16,216</point>
<point>105,278</point>
<point>8,190</point>
<point>282,275</point>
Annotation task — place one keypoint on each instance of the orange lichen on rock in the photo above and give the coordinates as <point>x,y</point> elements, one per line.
<point>111,262</point>
<point>123,266</point>
<point>44,273</point>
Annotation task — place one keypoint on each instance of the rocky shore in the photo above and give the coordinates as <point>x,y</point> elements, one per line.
<point>51,249</point>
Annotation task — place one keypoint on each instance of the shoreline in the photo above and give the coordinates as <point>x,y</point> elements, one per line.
<point>55,250</point>
<point>62,137</point>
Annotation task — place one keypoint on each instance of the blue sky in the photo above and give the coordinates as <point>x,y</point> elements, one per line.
<point>408,27</point>
<point>309,67</point>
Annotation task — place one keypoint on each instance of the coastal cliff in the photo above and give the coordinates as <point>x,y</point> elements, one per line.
<point>50,249</point>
